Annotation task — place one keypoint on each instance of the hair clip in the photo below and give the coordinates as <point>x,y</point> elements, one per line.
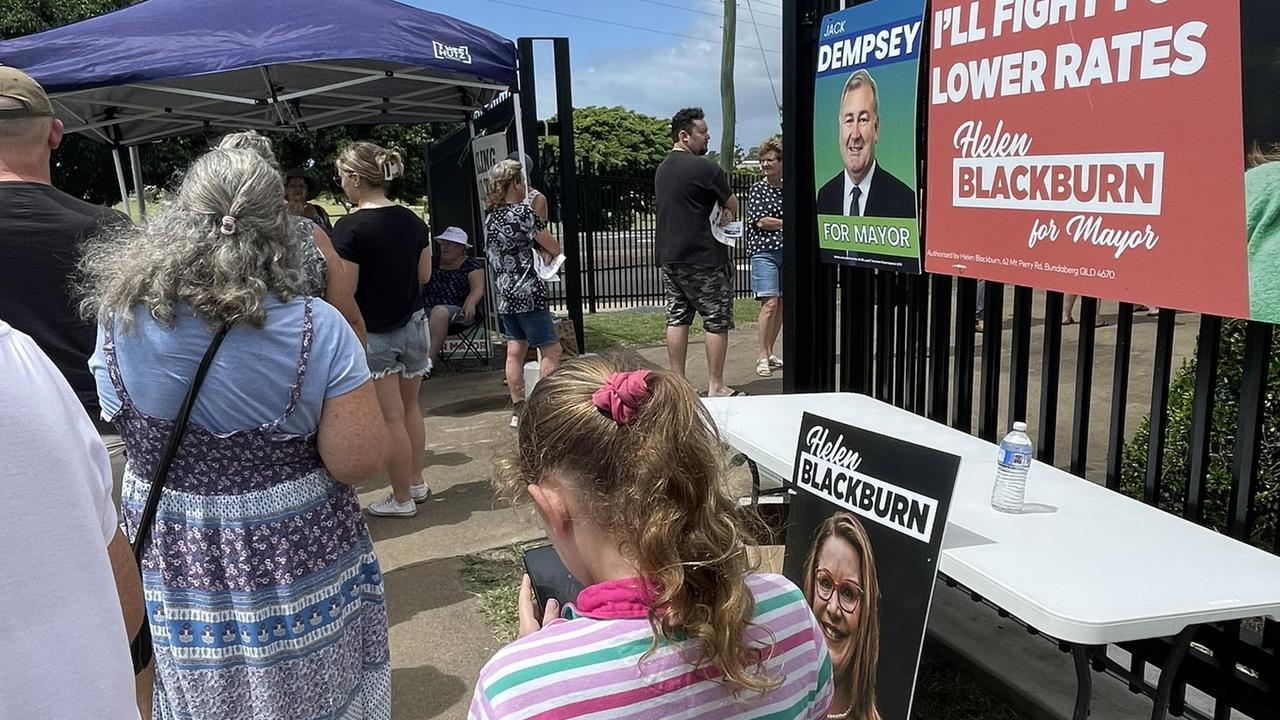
<point>622,395</point>
<point>228,225</point>
<point>390,171</point>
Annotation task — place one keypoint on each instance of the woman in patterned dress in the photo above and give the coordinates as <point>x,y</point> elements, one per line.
<point>263,592</point>
<point>514,232</point>
<point>764,244</point>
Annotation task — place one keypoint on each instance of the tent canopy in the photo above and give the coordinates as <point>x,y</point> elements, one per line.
<point>170,67</point>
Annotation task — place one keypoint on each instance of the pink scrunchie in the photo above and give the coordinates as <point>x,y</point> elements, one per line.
<point>622,395</point>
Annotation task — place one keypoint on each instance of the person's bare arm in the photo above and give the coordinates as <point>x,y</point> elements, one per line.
<point>424,266</point>
<point>475,279</point>
<point>128,583</point>
<point>540,207</point>
<point>769,224</point>
<point>353,438</point>
<point>730,210</point>
<point>548,243</point>
<point>340,283</point>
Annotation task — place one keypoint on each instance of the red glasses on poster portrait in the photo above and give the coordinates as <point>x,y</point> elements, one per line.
<point>847,592</point>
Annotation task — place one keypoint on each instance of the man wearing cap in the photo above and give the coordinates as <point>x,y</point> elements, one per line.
<point>55,472</point>
<point>40,230</point>
<point>456,287</point>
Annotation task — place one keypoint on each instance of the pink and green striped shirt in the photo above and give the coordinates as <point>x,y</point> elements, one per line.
<point>588,667</point>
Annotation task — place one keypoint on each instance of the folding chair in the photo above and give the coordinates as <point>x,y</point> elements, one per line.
<point>473,338</point>
<point>476,338</point>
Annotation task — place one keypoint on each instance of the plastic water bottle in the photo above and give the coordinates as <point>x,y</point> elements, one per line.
<point>1012,467</point>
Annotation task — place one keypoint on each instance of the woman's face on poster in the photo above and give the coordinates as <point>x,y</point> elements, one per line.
<point>837,597</point>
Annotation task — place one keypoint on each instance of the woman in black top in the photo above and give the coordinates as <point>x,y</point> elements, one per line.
<point>391,249</point>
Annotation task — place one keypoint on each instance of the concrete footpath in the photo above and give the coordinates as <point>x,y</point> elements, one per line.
<point>440,639</point>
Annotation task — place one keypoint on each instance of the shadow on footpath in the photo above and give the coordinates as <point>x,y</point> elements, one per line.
<point>425,692</point>
<point>423,587</point>
<point>451,506</point>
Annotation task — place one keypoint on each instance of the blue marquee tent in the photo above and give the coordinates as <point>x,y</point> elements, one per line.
<point>169,67</point>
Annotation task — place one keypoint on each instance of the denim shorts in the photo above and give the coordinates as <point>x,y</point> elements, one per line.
<point>535,327</point>
<point>766,273</point>
<point>405,350</point>
<point>455,314</point>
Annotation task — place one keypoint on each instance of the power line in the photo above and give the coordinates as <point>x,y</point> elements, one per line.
<point>768,73</point>
<point>694,10</point>
<point>719,3</point>
<point>619,24</point>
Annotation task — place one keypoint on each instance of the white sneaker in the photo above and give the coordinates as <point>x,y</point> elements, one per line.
<point>388,507</point>
<point>775,361</point>
<point>420,492</point>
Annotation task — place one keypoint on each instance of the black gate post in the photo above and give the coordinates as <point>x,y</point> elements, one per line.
<point>569,190</point>
<point>808,308</point>
<point>529,110</point>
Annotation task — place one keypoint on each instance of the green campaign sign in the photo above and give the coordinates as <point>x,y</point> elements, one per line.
<point>864,135</point>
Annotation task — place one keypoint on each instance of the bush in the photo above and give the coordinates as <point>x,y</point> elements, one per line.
<point>1222,437</point>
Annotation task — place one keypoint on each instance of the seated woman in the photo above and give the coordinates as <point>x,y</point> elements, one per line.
<point>262,588</point>
<point>841,586</point>
<point>625,471</point>
<point>456,287</point>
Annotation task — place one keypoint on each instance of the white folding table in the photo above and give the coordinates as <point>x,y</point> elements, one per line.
<point>1088,566</point>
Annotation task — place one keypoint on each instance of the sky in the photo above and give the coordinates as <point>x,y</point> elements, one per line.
<point>652,56</point>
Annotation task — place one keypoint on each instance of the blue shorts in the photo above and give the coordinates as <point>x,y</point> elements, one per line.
<point>405,350</point>
<point>455,314</point>
<point>535,327</point>
<point>766,274</point>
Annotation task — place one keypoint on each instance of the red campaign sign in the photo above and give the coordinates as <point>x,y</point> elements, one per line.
<point>1090,146</point>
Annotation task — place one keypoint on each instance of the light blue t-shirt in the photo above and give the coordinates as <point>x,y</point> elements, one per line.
<point>252,373</point>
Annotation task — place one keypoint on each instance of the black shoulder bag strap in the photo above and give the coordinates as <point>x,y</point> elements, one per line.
<point>142,646</point>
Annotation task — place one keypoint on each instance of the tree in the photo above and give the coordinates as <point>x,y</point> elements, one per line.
<point>33,16</point>
<point>615,139</point>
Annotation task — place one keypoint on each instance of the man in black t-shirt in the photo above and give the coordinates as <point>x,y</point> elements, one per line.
<point>696,270</point>
<point>41,229</point>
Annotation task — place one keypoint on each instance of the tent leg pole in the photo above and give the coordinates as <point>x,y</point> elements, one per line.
<point>519,117</point>
<point>135,159</point>
<point>124,191</point>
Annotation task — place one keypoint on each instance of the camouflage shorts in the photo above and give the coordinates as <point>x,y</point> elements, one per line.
<point>707,291</point>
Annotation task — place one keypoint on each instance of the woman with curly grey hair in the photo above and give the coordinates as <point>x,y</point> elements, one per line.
<point>325,273</point>
<point>262,589</point>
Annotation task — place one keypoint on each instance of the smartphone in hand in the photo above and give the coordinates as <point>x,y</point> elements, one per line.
<point>551,579</point>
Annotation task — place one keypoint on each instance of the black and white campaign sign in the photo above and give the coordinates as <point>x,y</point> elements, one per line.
<point>863,540</point>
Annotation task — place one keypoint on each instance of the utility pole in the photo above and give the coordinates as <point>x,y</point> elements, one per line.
<point>728,106</point>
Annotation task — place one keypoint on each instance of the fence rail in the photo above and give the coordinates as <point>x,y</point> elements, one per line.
<point>618,228</point>
<point>912,341</point>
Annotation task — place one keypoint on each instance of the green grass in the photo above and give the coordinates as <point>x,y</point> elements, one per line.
<point>642,327</point>
<point>494,576</point>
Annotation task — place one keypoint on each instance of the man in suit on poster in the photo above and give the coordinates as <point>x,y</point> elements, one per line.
<point>864,188</point>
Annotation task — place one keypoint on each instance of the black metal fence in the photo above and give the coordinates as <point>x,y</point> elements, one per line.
<point>1197,441</point>
<point>618,228</point>
<point>912,341</point>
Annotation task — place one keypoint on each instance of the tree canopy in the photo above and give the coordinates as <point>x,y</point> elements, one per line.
<point>613,139</point>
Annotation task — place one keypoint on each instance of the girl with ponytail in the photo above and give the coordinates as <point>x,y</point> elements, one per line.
<point>624,469</point>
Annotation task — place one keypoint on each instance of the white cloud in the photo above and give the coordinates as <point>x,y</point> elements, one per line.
<point>660,81</point>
